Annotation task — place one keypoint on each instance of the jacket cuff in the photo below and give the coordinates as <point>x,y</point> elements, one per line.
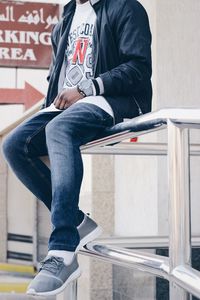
<point>98,86</point>
<point>101,85</point>
<point>107,83</point>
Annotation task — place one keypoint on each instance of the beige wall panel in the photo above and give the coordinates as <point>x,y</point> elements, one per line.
<point>9,113</point>
<point>135,196</point>
<point>178,51</point>
<point>20,207</point>
<point>20,247</point>
<point>103,208</point>
<point>86,188</point>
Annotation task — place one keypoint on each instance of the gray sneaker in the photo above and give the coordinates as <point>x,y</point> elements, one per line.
<point>88,230</point>
<point>53,276</point>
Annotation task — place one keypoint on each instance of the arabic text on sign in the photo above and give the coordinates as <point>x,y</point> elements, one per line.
<point>34,17</point>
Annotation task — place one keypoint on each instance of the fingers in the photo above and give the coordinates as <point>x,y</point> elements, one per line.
<point>66,105</point>
<point>56,102</point>
<point>62,104</point>
<point>60,101</point>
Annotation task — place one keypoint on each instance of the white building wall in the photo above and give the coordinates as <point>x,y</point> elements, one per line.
<point>141,187</point>
<point>176,83</point>
<point>135,176</point>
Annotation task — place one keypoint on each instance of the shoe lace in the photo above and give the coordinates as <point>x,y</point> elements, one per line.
<point>51,264</point>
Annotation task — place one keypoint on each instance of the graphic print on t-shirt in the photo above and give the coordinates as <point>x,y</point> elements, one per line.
<point>79,50</point>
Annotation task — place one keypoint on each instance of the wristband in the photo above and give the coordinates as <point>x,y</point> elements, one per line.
<point>96,85</point>
<point>80,91</point>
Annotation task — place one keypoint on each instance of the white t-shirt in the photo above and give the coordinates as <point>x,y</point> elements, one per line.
<point>79,53</point>
<point>78,56</point>
<point>79,49</point>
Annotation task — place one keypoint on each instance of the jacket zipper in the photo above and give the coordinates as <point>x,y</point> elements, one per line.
<point>96,61</point>
<point>138,106</point>
<point>97,50</point>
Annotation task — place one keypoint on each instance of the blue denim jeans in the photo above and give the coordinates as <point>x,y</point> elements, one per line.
<point>58,135</point>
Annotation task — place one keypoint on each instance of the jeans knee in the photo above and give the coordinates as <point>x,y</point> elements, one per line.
<point>55,132</point>
<point>7,146</point>
<point>62,133</point>
<point>10,146</point>
<point>50,131</point>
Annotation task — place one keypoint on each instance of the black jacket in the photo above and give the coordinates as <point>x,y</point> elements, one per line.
<point>121,55</point>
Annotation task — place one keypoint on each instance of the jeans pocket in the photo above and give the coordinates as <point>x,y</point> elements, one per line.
<point>29,139</point>
<point>103,116</point>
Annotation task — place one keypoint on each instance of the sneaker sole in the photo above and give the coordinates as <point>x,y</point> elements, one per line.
<point>71,278</point>
<point>89,238</point>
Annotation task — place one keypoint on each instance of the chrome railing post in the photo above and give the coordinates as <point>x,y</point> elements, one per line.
<point>179,204</point>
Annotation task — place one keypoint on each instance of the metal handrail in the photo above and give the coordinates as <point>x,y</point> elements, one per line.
<point>139,148</point>
<point>153,264</point>
<point>177,268</point>
<point>183,279</point>
<point>186,277</point>
<point>141,242</point>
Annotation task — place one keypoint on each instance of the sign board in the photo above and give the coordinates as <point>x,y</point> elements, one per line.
<point>25,30</point>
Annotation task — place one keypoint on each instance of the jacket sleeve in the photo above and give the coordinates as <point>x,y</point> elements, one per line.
<point>54,50</point>
<point>54,43</point>
<point>133,38</point>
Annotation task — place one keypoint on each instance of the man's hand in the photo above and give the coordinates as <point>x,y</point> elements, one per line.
<point>67,97</point>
